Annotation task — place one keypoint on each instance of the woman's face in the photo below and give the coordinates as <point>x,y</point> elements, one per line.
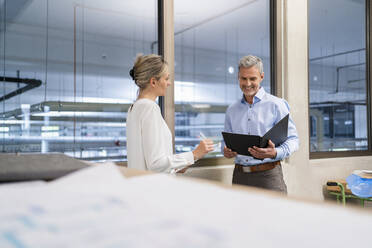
<point>163,83</point>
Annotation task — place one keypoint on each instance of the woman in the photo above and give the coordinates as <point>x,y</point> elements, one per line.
<point>149,140</point>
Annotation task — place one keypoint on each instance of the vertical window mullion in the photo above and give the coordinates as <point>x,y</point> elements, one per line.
<point>368,73</point>
<point>161,43</point>
<point>166,49</point>
<point>273,47</point>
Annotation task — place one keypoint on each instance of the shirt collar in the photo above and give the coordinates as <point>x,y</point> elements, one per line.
<point>258,97</point>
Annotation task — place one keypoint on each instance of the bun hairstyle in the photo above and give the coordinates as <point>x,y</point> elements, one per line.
<point>147,67</point>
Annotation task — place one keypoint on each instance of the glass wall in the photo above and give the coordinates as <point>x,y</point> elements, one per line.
<point>64,69</point>
<point>209,41</point>
<point>337,75</point>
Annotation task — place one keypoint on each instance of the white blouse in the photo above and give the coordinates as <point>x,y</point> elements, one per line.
<point>149,140</point>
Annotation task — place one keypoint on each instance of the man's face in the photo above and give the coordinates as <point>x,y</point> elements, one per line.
<point>249,80</point>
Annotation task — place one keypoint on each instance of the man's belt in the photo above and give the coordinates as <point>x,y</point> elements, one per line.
<point>256,168</point>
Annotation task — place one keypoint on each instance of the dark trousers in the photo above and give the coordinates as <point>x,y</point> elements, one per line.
<point>269,179</point>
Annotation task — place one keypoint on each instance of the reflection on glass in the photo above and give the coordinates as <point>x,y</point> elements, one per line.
<point>208,45</point>
<point>80,51</point>
<point>337,75</point>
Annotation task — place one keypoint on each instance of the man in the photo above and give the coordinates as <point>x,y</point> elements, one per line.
<point>255,113</point>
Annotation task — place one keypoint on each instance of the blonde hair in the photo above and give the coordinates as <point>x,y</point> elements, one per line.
<point>147,67</point>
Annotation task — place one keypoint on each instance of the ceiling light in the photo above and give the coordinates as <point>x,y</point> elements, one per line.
<point>81,114</point>
<point>183,83</point>
<point>49,128</point>
<point>199,106</point>
<point>4,129</point>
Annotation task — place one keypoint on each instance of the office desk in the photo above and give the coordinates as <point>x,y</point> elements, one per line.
<point>97,207</point>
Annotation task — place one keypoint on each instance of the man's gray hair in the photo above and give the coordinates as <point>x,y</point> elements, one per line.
<point>251,60</point>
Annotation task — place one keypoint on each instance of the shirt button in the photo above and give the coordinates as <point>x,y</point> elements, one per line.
<point>249,119</point>
<point>249,133</point>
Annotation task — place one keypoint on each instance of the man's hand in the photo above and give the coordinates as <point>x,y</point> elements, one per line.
<point>228,153</point>
<point>268,152</point>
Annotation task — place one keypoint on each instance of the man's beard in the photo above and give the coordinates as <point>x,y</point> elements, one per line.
<point>250,91</point>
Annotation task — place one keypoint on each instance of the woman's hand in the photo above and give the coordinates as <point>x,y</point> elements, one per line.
<point>203,148</point>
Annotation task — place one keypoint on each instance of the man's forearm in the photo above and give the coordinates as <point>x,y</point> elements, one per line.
<point>287,148</point>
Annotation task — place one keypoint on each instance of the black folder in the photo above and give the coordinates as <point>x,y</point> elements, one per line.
<point>241,142</point>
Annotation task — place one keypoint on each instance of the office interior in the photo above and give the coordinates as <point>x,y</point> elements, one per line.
<point>65,84</point>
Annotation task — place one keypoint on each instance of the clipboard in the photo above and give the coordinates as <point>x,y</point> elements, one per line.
<point>241,142</point>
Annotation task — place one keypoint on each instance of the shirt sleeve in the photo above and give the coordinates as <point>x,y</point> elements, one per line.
<point>157,149</point>
<point>292,142</point>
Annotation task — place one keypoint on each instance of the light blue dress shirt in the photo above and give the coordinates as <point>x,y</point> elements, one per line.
<point>258,118</point>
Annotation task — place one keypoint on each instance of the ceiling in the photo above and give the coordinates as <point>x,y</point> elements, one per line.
<point>110,33</point>
<point>236,21</point>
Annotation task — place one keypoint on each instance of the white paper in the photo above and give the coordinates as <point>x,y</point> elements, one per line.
<point>97,207</point>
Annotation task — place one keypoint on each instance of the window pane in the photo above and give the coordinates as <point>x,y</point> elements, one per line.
<point>208,45</point>
<point>337,72</point>
<point>80,51</point>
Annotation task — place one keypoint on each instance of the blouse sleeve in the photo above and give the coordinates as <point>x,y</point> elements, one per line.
<point>155,146</point>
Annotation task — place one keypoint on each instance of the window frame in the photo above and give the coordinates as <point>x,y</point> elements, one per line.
<point>274,68</point>
<point>368,152</point>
